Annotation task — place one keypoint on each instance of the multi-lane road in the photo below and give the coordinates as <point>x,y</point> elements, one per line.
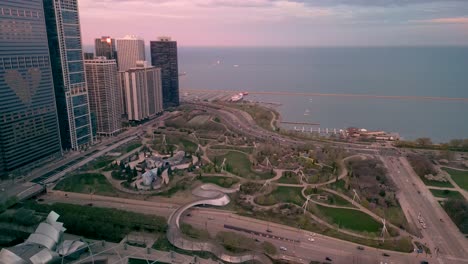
<point>215,220</point>
<point>440,233</point>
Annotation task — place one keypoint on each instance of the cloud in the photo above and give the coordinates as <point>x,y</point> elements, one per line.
<point>374,3</point>
<point>445,20</point>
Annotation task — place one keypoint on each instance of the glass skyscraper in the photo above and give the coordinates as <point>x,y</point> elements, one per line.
<point>164,56</point>
<point>63,32</point>
<point>28,118</point>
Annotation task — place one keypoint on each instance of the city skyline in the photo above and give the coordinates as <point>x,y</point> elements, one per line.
<point>282,23</point>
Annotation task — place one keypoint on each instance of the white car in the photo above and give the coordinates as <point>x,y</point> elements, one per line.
<point>283,248</point>
<point>311,239</point>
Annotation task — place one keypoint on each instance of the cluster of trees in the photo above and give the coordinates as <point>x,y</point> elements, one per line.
<point>250,188</point>
<point>266,200</point>
<point>457,209</point>
<point>421,165</point>
<point>454,144</point>
<point>123,172</point>
<point>234,242</point>
<point>101,223</point>
<point>195,233</point>
<point>23,217</point>
<point>8,203</point>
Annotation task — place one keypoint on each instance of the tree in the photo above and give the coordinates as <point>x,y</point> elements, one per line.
<point>269,248</point>
<point>424,142</point>
<point>134,172</point>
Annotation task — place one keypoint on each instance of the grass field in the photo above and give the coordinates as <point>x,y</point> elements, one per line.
<point>338,200</point>
<point>243,149</point>
<point>239,164</point>
<point>261,115</point>
<point>340,184</point>
<point>199,120</point>
<point>446,194</point>
<point>351,219</point>
<point>289,177</point>
<point>225,182</point>
<point>282,194</point>
<point>436,183</point>
<point>460,177</point>
<point>86,183</point>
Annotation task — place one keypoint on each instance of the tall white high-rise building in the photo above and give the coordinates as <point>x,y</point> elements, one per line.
<point>142,92</point>
<point>130,49</point>
<point>104,95</point>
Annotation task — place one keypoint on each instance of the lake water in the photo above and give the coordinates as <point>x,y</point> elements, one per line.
<point>403,71</point>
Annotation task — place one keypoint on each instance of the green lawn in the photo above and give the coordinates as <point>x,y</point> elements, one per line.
<point>101,223</point>
<point>436,183</point>
<point>282,194</point>
<point>239,164</point>
<point>101,162</point>
<point>446,194</point>
<point>133,146</point>
<point>225,182</point>
<point>340,184</point>
<point>239,148</point>
<point>188,145</point>
<point>351,219</point>
<point>338,200</point>
<point>86,183</point>
<point>460,177</point>
<point>289,177</point>
<point>143,261</point>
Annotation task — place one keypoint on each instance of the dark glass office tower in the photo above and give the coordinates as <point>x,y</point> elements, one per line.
<point>105,47</point>
<point>63,32</point>
<point>28,118</point>
<point>164,56</point>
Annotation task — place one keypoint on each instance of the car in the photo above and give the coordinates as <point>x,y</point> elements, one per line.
<point>424,262</point>
<point>283,248</point>
<point>311,239</point>
<point>385,255</point>
<point>189,214</point>
<point>328,259</point>
<point>268,230</point>
<point>90,204</point>
<point>360,248</point>
<point>256,240</point>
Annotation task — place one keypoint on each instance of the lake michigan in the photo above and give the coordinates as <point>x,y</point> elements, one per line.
<point>394,71</point>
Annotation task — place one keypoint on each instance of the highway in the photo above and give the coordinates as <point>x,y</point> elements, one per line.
<point>214,220</point>
<point>416,199</point>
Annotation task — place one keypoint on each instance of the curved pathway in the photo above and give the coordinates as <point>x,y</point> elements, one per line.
<point>213,195</point>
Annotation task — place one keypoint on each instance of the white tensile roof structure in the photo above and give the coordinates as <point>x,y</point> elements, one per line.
<point>40,247</point>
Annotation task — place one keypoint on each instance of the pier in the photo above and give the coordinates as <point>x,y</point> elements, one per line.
<point>370,96</point>
<point>300,123</point>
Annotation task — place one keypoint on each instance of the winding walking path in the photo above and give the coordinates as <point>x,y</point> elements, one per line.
<point>213,195</point>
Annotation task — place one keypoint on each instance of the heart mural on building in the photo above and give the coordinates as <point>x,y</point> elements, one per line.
<point>24,85</point>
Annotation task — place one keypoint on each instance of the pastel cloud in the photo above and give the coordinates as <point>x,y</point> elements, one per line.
<point>279,22</point>
<point>449,20</point>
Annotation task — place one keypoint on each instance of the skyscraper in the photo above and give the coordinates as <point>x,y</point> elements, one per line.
<point>105,47</point>
<point>142,93</point>
<point>164,56</point>
<point>28,117</point>
<point>71,93</point>
<point>130,50</point>
<point>88,55</point>
<point>104,95</point>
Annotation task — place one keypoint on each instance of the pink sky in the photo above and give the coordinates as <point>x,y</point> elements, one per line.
<point>278,22</point>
